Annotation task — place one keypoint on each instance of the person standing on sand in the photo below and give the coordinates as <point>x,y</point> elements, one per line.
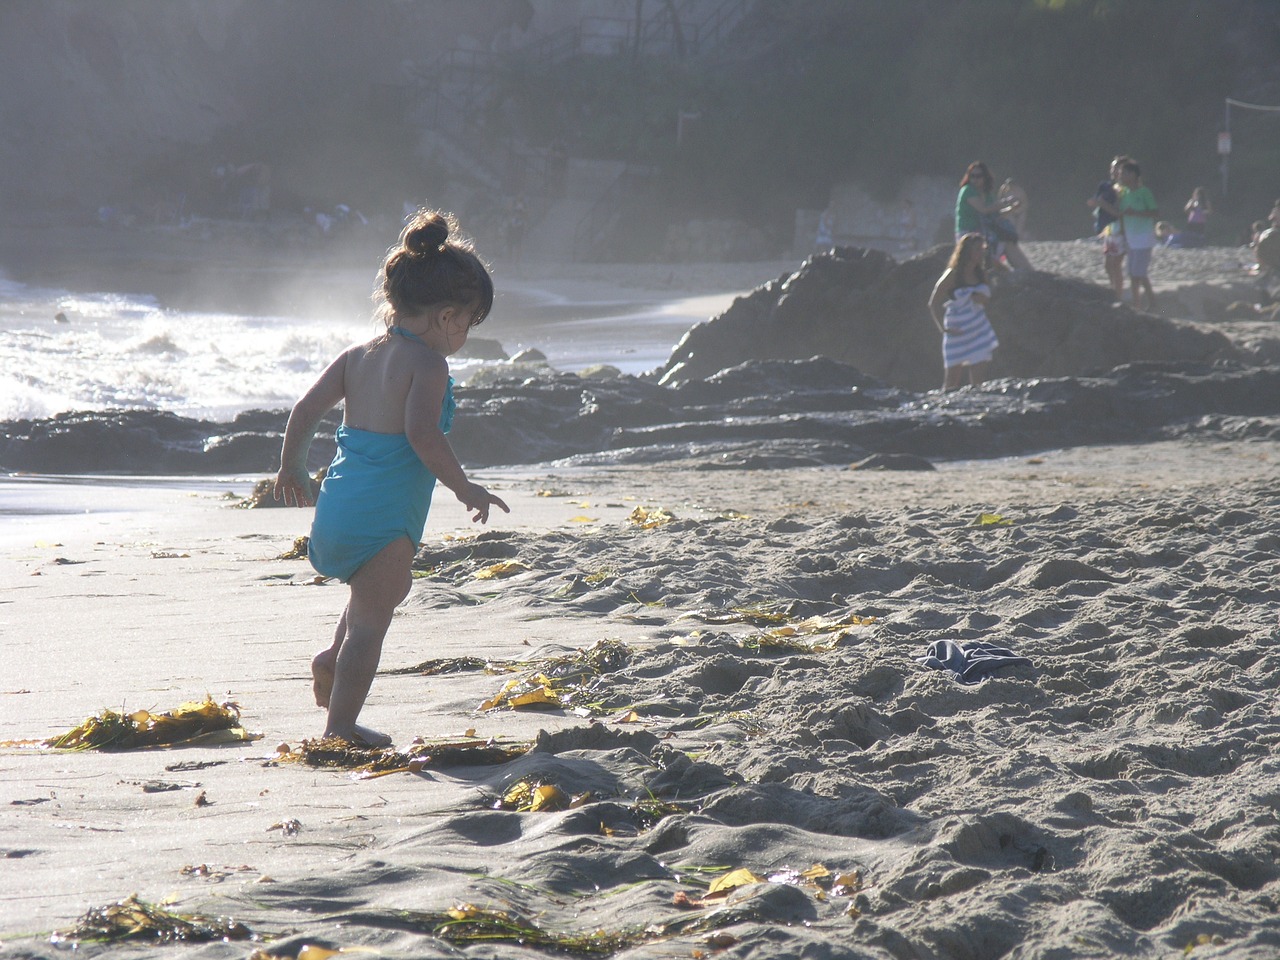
<point>1138,213</point>
<point>373,503</point>
<point>1198,210</point>
<point>824,240</point>
<point>1108,226</point>
<point>958,307</point>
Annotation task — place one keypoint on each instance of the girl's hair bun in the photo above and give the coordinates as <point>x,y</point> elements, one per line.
<point>432,264</point>
<point>427,234</point>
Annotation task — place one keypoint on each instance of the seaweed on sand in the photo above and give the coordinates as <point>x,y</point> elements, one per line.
<point>567,681</point>
<point>445,665</point>
<point>192,721</point>
<point>470,924</point>
<point>134,919</point>
<point>335,752</point>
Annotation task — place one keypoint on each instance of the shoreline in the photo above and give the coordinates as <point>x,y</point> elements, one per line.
<point>1092,471</point>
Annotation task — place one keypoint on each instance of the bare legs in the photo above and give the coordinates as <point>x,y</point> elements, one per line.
<point>1115,273</point>
<point>953,378</point>
<point>342,674</point>
<point>325,662</point>
<point>1140,284</point>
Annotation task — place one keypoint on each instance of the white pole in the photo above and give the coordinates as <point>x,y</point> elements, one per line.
<point>1226,157</point>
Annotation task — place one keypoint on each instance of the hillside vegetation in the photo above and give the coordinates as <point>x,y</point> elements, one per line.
<point>133,103</point>
<point>814,93</point>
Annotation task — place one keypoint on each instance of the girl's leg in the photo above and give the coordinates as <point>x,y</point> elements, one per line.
<point>1017,259</point>
<point>376,589</point>
<point>325,662</point>
<point>1151,293</point>
<point>1135,284</point>
<point>1115,273</point>
<point>978,372</point>
<point>953,378</point>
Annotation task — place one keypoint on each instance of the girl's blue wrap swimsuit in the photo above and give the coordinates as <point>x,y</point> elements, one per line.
<point>376,491</point>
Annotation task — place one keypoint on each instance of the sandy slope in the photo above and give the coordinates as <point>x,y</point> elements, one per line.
<point>1115,797</point>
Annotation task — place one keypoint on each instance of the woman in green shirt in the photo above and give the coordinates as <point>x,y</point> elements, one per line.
<point>977,204</point>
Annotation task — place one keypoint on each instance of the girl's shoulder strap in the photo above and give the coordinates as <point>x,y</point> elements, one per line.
<point>407,334</point>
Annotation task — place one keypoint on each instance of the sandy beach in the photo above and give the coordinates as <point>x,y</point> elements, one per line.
<point>756,702</point>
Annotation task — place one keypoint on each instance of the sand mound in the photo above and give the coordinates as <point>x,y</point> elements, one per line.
<point>863,308</point>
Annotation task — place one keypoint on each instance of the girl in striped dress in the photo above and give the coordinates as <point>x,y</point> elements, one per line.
<point>958,309</point>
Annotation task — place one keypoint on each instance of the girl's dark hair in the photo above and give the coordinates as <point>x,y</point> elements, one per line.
<point>978,171</point>
<point>427,268</point>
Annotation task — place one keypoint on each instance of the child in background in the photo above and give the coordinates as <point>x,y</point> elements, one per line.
<point>1138,213</point>
<point>958,307</point>
<point>1198,209</point>
<point>1108,226</point>
<point>373,503</point>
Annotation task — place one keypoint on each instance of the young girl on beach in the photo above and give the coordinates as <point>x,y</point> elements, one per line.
<point>398,405</point>
<point>1198,210</point>
<point>958,307</point>
<point>1109,227</point>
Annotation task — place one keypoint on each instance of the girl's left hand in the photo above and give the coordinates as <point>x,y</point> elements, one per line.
<point>477,498</point>
<point>293,486</point>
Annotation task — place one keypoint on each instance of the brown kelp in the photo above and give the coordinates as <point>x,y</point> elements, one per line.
<point>132,919</point>
<point>338,753</point>
<point>193,721</point>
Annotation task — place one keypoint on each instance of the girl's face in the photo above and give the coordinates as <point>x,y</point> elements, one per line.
<point>445,328</point>
<point>457,322</point>
<point>455,325</point>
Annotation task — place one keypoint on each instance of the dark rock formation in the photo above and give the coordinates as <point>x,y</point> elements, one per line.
<point>760,414</point>
<point>864,308</point>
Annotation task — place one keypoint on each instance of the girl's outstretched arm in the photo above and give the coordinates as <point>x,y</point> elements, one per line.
<point>293,483</point>
<point>422,427</point>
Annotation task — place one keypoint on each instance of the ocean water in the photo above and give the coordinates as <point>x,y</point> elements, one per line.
<point>62,351</point>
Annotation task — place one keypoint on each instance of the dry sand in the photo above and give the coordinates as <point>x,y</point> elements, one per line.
<point>1119,796</point>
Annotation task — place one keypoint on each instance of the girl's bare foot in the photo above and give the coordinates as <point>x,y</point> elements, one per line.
<point>322,667</point>
<point>362,736</point>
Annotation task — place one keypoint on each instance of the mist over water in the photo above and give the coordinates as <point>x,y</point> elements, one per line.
<point>129,351</point>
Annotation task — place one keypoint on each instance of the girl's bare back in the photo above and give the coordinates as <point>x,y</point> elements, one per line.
<point>381,378</point>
